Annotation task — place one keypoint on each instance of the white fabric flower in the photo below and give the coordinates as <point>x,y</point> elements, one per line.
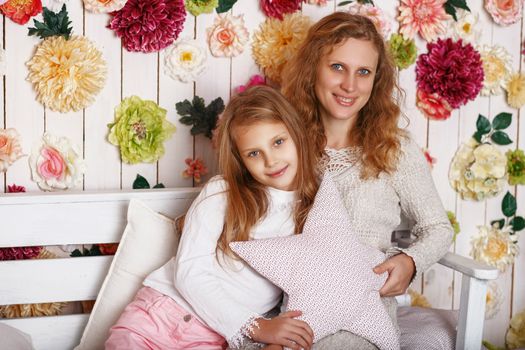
<point>494,300</point>
<point>495,247</point>
<point>56,164</point>
<point>227,36</point>
<point>184,60</point>
<point>3,62</point>
<point>54,5</point>
<point>497,66</point>
<point>10,149</point>
<point>104,6</point>
<point>465,28</point>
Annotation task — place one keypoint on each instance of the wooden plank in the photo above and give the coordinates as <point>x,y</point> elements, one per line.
<point>3,186</point>
<point>52,280</point>
<point>52,333</point>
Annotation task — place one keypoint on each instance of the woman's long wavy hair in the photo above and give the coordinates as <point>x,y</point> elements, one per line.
<point>376,129</point>
<point>247,199</point>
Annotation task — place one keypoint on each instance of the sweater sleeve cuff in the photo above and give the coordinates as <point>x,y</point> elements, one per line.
<point>244,333</point>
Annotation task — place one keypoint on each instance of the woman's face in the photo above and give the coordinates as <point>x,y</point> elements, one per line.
<point>345,78</point>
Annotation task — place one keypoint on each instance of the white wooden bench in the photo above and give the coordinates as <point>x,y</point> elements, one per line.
<point>100,217</point>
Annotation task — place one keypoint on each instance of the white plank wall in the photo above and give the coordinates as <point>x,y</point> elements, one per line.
<point>143,75</point>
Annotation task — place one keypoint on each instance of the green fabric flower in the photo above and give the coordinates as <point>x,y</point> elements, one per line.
<point>140,128</point>
<point>404,52</point>
<point>516,167</point>
<point>454,222</point>
<point>196,7</point>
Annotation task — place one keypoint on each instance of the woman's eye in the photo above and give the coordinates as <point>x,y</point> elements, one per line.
<point>279,142</point>
<point>336,66</point>
<point>364,71</point>
<point>253,154</point>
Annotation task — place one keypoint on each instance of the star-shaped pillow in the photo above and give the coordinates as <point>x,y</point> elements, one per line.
<point>327,273</point>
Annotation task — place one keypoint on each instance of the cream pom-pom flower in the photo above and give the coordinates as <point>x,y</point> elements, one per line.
<point>67,74</point>
<point>184,60</point>
<point>104,6</point>
<point>10,149</point>
<point>495,247</point>
<point>227,36</point>
<point>515,337</point>
<point>497,66</point>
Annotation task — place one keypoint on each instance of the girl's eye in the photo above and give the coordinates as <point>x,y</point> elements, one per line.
<point>337,66</point>
<point>279,142</point>
<point>253,154</point>
<point>364,71</point>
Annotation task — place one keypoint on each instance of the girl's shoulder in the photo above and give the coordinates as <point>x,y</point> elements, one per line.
<point>216,187</point>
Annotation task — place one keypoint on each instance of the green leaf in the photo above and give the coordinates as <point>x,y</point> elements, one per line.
<point>55,24</point>
<point>202,118</point>
<point>517,223</point>
<point>343,3</point>
<point>508,205</point>
<point>451,10</point>
<point>502,121</point>
<point>501,138</point>
<point>159,185</point>
<point>462,4</point>
<point>500,223</point>
<point>140,182</point>
<point>477,136</point>
<point>483,125</point>
<point>225,5</point>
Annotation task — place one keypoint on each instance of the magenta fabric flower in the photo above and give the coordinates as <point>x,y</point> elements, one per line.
<point>278,8</point>
<point>19,253</point>
<point>148,25</point>
<point>254,80</point>
<point>452,70</point>
<point>15,188</point>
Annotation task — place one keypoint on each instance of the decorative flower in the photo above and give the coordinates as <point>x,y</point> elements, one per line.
<point>56,164</point>
<point>19,253</point>
<point>15,188</point>
<point>516,90</point>
<point>417,299</point>
<point>195,168</point>
<point>430,160</point>
<point>451,69</point>
<point>465,27</point>
<point>494,300</point>
<point>67,74</point>
<point>516,167</point>
<point>140,128</point>
<point>20,11</point>
<point>148,25</point>
<point>196,7</point>
<point>426,17</point>
<point>184,60</point>
<point>432,105</point>
<point>276,42</point>
<point>454,222</point>
<point>3,62</point>
<point>496,67</point>
<point>227,36</point>
<point>316,2</point>
<point>477,171</point>
<point>375,14</point>
<point>54,5</point>
<point>404,51</point>
<point>108,248</point>
<point>515,338</point>
<point>279,8</point>
<point>104,6</point>
<point>254,80</point>
<point>31,310</point>
<point>10,149</point>
<point>504,12</point>
<point>495,247</point>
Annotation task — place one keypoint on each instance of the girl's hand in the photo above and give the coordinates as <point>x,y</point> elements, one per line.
<point>284,330</point>
<point>400,269</point>
<point>273,347</point>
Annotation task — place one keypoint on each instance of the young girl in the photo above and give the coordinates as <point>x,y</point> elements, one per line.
<point>205,296</point>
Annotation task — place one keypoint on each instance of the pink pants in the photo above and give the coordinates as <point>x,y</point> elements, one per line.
<point>155,321</point>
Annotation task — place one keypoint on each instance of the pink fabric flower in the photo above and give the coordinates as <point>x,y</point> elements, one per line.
<point>452,70</point>
<point>10,148</point>
<point>148,25</point>
<point>52,164</point>
<point>254,80</point>
<point>430,160</point>
<point>278,8</point>
<point>15,188</point>
<point>432,105</point>
<point>19,253</point>
<point>375,14</point>
<point>195,169</point>
<point>504,12</point>
<point>227,36</point>
<point>426,17</point>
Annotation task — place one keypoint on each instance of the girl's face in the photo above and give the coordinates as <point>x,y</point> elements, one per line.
<point>269,153</point>
<point>345,78</point>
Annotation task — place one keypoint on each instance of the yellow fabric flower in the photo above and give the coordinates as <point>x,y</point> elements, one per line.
<point>495,247</point>
<point>515,338</point>
<point>516,90</point>
<point>67,74</point>
<point>496,66</point>
<point>418,299</point>
<point>30,310</point>
<point>276,42</point>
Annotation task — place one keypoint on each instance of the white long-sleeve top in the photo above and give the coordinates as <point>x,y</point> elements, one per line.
<point>227,296</point>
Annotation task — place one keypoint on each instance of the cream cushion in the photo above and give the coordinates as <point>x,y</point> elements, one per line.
<point>149,240</point>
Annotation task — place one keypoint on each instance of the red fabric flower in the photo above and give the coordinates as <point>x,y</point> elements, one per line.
<point>254,80</point>
<point>15,188</point>
<point>430,160</point>
<point>195,168</point>
<point>432,105</point>
<point>278,8</point>
<point>148,25</point>
<point>19,253</point>
<point>451,69</point>
<point>20,11</point>
<point>108,248</point>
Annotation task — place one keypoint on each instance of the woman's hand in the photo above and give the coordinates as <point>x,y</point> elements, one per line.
<point>401,269</point>
<point>284,330</point>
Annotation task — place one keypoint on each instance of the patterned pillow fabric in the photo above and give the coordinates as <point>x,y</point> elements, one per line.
<point>327,273</point>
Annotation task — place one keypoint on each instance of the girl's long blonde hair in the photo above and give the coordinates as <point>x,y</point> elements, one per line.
<point>247,199</point>
<point>376,129</point>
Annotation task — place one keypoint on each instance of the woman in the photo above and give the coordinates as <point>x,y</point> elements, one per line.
<point>342,81</point>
